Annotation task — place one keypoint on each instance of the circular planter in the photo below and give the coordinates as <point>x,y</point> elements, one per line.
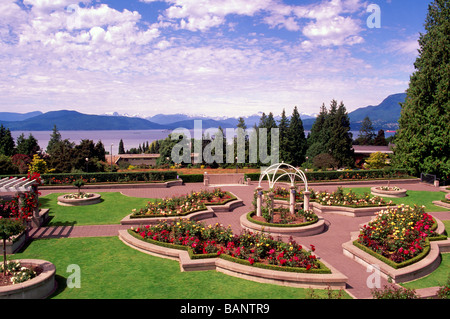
<point>94,199</point>
<point>377,191</point>
<point>39,287</point>
<point>285,232</point>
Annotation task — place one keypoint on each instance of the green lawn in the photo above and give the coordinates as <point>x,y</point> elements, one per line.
<point>110,270</point>
<point>111,210</point>
<point>413,198</point>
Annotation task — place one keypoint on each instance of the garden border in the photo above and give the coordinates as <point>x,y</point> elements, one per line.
<point>198,215</point>
<point>284,232</point>
<point>335,280</point>
<point>417,270</point>
<point>39,287</point>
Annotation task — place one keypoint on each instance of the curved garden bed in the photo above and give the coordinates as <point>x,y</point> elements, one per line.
<point>443,203</point>
<point>39,287</point>
<point>73,200</point>
<point>314,227</point>
<point>385,191</point>
<point>196,211</point>
<point>240,256</point>
<point>404,241</point>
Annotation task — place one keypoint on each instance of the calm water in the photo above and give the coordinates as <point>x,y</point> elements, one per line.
<point>131,139</point>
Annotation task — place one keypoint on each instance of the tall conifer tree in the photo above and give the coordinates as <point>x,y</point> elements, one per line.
<point>423,141</point>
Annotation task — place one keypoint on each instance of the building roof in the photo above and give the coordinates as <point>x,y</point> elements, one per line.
<point>369,149</point>
<point>135,156</point>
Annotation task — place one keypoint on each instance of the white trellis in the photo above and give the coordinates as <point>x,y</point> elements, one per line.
<point>20,186</point>
<point>283,170</point>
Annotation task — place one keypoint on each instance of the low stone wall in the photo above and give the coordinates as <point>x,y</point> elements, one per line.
<point>346,211</point>
<point>15,244</point>
<point>376,191</point>
<point>335,280</point>
<point>204,214</point>
<point>39,287</point>
<point>284,232</point>
<point>415,271</point>
<point>223,179</point>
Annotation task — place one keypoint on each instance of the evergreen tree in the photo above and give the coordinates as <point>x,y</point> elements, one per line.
<point>340,144</point>
<point>27,146</point>
<point>297,139</point>
<point>317,139</point>
<point>283,126</point>
<point>55,138</point>
<point>423,137</point>
<point>380,139</point>
<point>366,133</point>
<point>121,147</point>
<point>6,142</point>
<point>241,123</point>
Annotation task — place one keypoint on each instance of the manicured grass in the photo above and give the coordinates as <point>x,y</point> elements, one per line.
<point>111,210</point>
<point>111,270</point>
<point>436,279</point>
<point>413,198</point>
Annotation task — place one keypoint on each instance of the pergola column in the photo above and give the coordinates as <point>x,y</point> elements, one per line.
<point>259,194</point>
<point>292,199</point>
<point>306,195</point>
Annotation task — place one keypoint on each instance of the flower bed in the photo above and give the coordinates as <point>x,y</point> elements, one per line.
<point>79,200</point>
<point>40,286</point>
<point>387,191</point>
<point>253,249</point>
<point>399,234</point>
<point>350,199</point>
<point>183,205</point>
<point>15,273</point>
<point>283,218</point>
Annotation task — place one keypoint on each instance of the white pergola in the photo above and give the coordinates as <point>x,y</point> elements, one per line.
<point>18,185</point>
<point>282,169</point>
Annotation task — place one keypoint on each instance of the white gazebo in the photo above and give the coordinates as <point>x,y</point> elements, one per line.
<point>274,173</point>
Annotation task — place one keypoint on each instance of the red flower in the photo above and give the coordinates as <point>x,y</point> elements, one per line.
<point>251,260</point>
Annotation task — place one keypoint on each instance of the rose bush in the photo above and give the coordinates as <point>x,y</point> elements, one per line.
<point>217,239</point>
<point>179,205</point>
<point>339,198</point>
<point>399,233</point>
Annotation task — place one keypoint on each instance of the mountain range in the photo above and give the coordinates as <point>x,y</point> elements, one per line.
<point>383,116</point>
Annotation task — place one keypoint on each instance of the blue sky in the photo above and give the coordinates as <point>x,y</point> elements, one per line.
<point>209,57</point>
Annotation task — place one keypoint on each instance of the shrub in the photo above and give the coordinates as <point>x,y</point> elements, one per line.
<point>444,291</point>
<point>394,292</point>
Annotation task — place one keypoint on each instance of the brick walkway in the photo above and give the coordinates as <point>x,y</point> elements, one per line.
<point>328,244</point>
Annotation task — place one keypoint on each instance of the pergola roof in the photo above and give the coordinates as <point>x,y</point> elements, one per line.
<point>15,184</point>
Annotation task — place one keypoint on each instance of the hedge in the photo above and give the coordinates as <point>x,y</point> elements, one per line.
<point>105,177</point>
<point>344,175</point>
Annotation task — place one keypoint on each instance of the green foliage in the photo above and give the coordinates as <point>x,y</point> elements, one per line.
<point>394,292</point>
<point>38,165</point>
<point>6,142</point>
<point>423,138</point>
<point>9,228</point>
<point>324,161</point>
<point>366,133</point>
<point>376,160</point>
<point>296,140</point>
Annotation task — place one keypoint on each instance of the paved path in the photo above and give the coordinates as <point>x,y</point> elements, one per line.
<point>328,244</point>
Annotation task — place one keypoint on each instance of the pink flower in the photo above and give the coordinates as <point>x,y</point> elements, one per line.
<point>251,260</point>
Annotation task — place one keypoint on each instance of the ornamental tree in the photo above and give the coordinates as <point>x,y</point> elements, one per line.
<point>424,131</point>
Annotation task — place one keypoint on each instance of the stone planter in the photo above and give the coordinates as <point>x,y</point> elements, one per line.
<point>94,199</point>
<point>15,244</point>
<point>284,232</point>
<point>377,191</point>
<point>39,287</point>
<point>209,212</point>
<point>346,211</point>
<point>335,280</point>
